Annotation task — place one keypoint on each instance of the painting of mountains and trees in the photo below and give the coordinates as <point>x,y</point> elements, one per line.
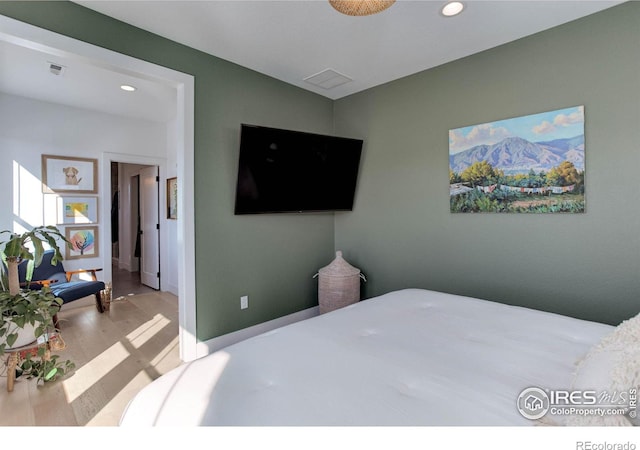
<point>529,164</point>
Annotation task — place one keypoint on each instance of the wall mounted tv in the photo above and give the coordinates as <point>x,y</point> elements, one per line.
<point>284,171</point>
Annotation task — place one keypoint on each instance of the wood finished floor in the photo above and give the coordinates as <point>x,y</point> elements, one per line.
<point>127,283</point>
<point>116,354</point>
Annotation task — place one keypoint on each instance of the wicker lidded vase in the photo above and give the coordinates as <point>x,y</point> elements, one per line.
<point>338,285</point>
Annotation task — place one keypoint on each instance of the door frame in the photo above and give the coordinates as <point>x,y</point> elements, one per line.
<point>151,161</point>
<point>36,38</point>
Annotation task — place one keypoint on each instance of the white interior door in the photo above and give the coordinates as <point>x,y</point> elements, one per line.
<point>149,225</point>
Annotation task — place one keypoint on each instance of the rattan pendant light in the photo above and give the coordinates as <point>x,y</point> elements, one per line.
<point>361,7</point>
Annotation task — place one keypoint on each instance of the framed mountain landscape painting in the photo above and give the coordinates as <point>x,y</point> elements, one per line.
<point>528,164</point>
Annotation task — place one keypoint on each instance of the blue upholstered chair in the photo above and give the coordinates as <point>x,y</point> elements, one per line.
<point>61,281</point>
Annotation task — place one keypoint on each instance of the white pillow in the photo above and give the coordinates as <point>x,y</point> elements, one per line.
<point>613,366</point>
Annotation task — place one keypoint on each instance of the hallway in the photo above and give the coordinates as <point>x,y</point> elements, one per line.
<point>127,283</point>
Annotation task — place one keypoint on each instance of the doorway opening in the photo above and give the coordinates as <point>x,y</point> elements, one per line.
<point>29,36</point>
<point>135,229</point>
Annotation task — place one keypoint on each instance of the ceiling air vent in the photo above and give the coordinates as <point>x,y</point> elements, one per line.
<point>328,79</point>
<point>55,68</point>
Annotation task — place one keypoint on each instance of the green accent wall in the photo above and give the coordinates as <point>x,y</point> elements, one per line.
<point>401,233</point>
<point>270,258</point>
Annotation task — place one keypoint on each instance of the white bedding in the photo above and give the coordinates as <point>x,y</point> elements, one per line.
<point>410,357</point>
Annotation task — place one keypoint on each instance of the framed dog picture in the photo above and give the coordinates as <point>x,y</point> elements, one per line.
<point>62,174</point>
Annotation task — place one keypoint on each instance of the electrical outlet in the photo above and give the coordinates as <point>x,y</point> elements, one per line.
<point>244,302</point>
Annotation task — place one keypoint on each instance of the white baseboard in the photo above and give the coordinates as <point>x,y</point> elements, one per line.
<point>215,344</point>
<point>171,288</point>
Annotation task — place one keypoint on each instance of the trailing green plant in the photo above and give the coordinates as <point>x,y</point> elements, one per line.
<point>45,368</point>
<point>31,307</point>
<point>21,306</point>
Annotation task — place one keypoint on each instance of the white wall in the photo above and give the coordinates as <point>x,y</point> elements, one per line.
<point>30,128</point>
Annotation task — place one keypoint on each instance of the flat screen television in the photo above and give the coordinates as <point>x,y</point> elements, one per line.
<point>284,171</point>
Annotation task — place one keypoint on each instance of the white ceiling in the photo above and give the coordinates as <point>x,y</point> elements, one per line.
<point>292,40</point>
<point>289,40</point>
<point>26,72</point>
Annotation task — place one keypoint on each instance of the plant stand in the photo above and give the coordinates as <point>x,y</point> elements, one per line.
<point>16,355</point>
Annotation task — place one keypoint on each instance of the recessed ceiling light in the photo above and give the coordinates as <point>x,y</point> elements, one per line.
<point>452,9</point>
<point>128,88</point>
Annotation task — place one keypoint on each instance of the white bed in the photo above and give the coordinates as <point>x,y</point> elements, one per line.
<point>410,357</point>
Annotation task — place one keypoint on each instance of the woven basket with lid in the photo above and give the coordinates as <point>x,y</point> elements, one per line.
<point>338,285</point>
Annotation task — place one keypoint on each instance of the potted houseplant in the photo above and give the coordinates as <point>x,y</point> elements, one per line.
<point>26,315</point>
